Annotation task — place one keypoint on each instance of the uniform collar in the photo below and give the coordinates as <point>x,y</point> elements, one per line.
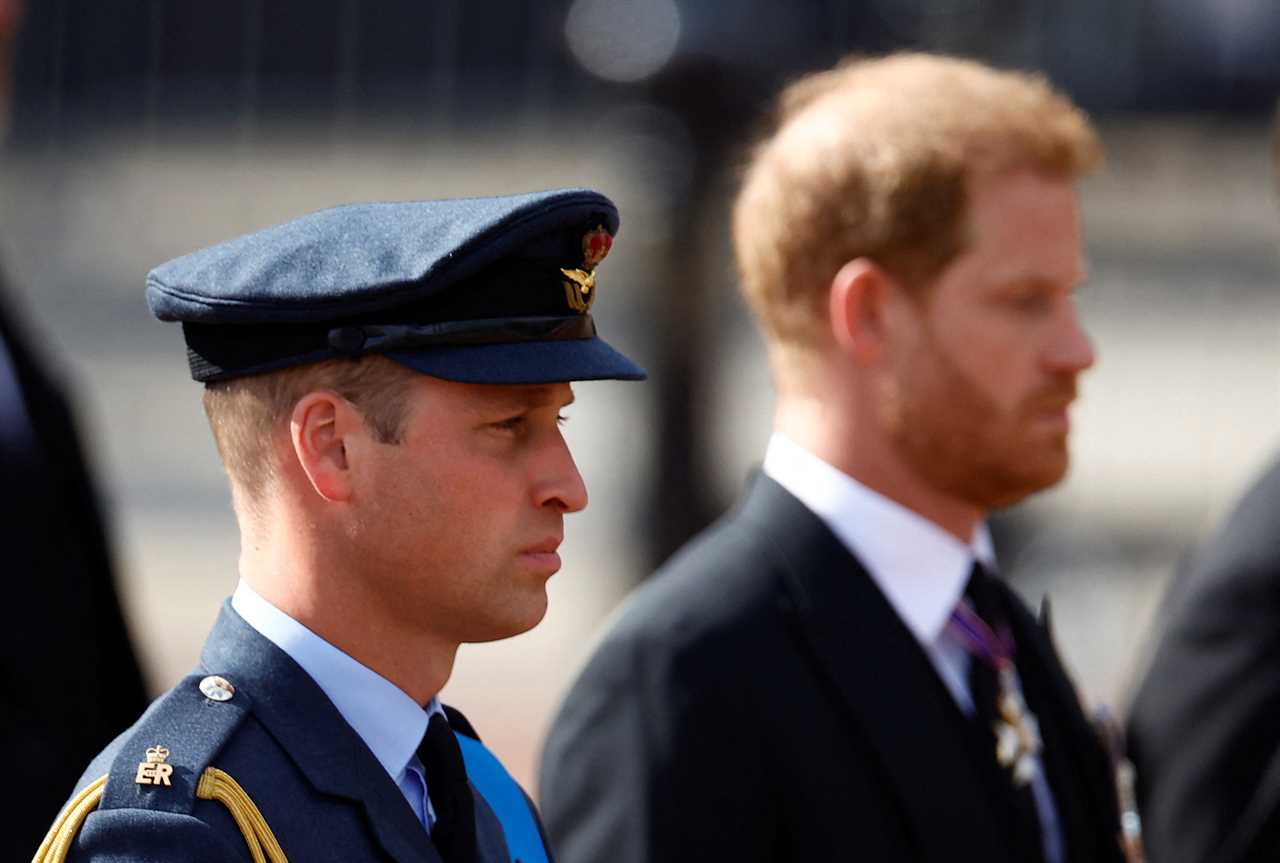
<point>919,567</point>
<point>384,716</point>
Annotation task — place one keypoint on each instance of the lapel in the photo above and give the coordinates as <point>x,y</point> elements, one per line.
<point>312,731</point>
<point>888,686</point>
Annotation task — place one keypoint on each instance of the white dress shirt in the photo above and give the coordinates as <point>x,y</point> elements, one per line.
<point>920,568</point>
<point>384,716</point>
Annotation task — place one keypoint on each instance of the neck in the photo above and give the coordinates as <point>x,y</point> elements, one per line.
<point>849,440</point>
<point>298,568</point>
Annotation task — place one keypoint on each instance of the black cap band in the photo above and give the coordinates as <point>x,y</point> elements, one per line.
<point>219,352</point>
<point>360,339</point>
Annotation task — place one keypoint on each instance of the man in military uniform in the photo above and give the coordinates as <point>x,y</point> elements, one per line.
<point>833,672</point>
<point>385,384</point>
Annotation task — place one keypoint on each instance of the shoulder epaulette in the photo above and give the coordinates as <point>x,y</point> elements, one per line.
<point>164,764</point>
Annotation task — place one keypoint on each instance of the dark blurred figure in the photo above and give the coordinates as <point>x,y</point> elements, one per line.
<point>68,674</point>
<point>1204,730</point>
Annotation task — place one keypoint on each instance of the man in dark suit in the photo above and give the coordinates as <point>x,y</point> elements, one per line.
<point>385,384</point>
<point>63,587</point>
<point>832,671</point>
<point>1204,728</point>
<point>68,672</point>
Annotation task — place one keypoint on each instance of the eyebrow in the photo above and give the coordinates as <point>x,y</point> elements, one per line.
<point>1037,280</point>
<point>531,396</point>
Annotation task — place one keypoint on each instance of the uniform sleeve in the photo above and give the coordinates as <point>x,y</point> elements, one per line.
<point>652,758</point>
<point>143,836</point>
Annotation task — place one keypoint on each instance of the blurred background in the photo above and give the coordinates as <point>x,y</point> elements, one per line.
<point>144,129</point>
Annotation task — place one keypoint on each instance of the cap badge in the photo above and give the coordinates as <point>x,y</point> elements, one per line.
<point>154,771</point>
<point>580,286</point>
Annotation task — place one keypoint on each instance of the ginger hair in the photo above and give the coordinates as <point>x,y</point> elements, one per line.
<point>873,159</point>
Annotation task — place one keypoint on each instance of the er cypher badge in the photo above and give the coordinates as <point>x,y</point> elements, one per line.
<point>154,771</point>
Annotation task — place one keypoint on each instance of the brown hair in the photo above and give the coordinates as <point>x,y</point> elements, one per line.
<point>872,159</point>
<point>245,412</point>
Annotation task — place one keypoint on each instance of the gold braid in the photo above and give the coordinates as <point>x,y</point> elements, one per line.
<point>214,785</point>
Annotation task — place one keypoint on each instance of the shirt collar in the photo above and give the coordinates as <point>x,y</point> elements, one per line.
<point>919,567</point>
<point>389,722</point>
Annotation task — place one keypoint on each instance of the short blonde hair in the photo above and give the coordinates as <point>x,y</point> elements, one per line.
<point>872,159</point>
<point>245,412</point>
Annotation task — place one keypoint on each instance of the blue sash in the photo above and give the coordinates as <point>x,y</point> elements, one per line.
<point>500,791</point>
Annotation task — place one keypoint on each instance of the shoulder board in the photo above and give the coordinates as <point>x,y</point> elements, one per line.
<point>159,762</point>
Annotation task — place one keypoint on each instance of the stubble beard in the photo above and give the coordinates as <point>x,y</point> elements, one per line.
<point>959,441</point>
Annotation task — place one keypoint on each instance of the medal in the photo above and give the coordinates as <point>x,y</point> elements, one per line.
<point>1016,730</point>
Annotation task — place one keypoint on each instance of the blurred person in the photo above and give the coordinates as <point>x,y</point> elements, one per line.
<point>833,671</point>
<point>69,674</point>
<point>385,385</point>
<point>1204,727</point>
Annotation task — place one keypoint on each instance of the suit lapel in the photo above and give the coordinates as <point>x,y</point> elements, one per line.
<point>312,731</point>
<point>881,675</point>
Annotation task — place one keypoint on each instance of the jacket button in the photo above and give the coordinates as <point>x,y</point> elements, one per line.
<point>217,688</point>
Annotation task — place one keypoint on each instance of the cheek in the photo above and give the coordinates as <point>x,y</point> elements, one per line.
<point>999,371</point>
<point>471,504</point>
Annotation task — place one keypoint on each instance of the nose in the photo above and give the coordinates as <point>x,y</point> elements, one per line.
<point>1071,350</point>
<point>560,485</point>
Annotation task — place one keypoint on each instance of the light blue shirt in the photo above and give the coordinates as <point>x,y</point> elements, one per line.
<point>384,716</point>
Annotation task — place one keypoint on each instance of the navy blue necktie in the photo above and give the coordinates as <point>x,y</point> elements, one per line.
<point>454,833</point>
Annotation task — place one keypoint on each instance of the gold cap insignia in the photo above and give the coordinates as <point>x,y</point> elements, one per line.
<point>579,287</point>
<point>154,771</point>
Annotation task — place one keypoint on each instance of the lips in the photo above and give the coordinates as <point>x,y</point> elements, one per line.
<point>541,557</point>
<point>547,546</point>
<point>1053,401</point>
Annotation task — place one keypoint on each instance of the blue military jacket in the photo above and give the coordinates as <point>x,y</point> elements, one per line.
<point>319,789</point>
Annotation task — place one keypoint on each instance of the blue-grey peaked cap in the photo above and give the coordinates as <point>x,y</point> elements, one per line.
<point>482,290</point>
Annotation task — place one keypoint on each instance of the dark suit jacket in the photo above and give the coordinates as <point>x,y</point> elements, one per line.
<point>320,789</point>
<point>1204,728</point>
<point>68,674</point>
<point>759,700</point>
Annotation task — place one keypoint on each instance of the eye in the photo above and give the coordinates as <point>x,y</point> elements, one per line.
<point>561,419</point>
<point>1032,301</point>
<point>511,424</point>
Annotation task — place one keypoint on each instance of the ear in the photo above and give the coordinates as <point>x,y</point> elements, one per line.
<point>858,298</point>
<point>319,428</point>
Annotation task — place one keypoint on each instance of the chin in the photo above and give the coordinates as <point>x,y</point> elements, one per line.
<point>511,622</point>
<point>1018,474</point>
<point>1025,483</point>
